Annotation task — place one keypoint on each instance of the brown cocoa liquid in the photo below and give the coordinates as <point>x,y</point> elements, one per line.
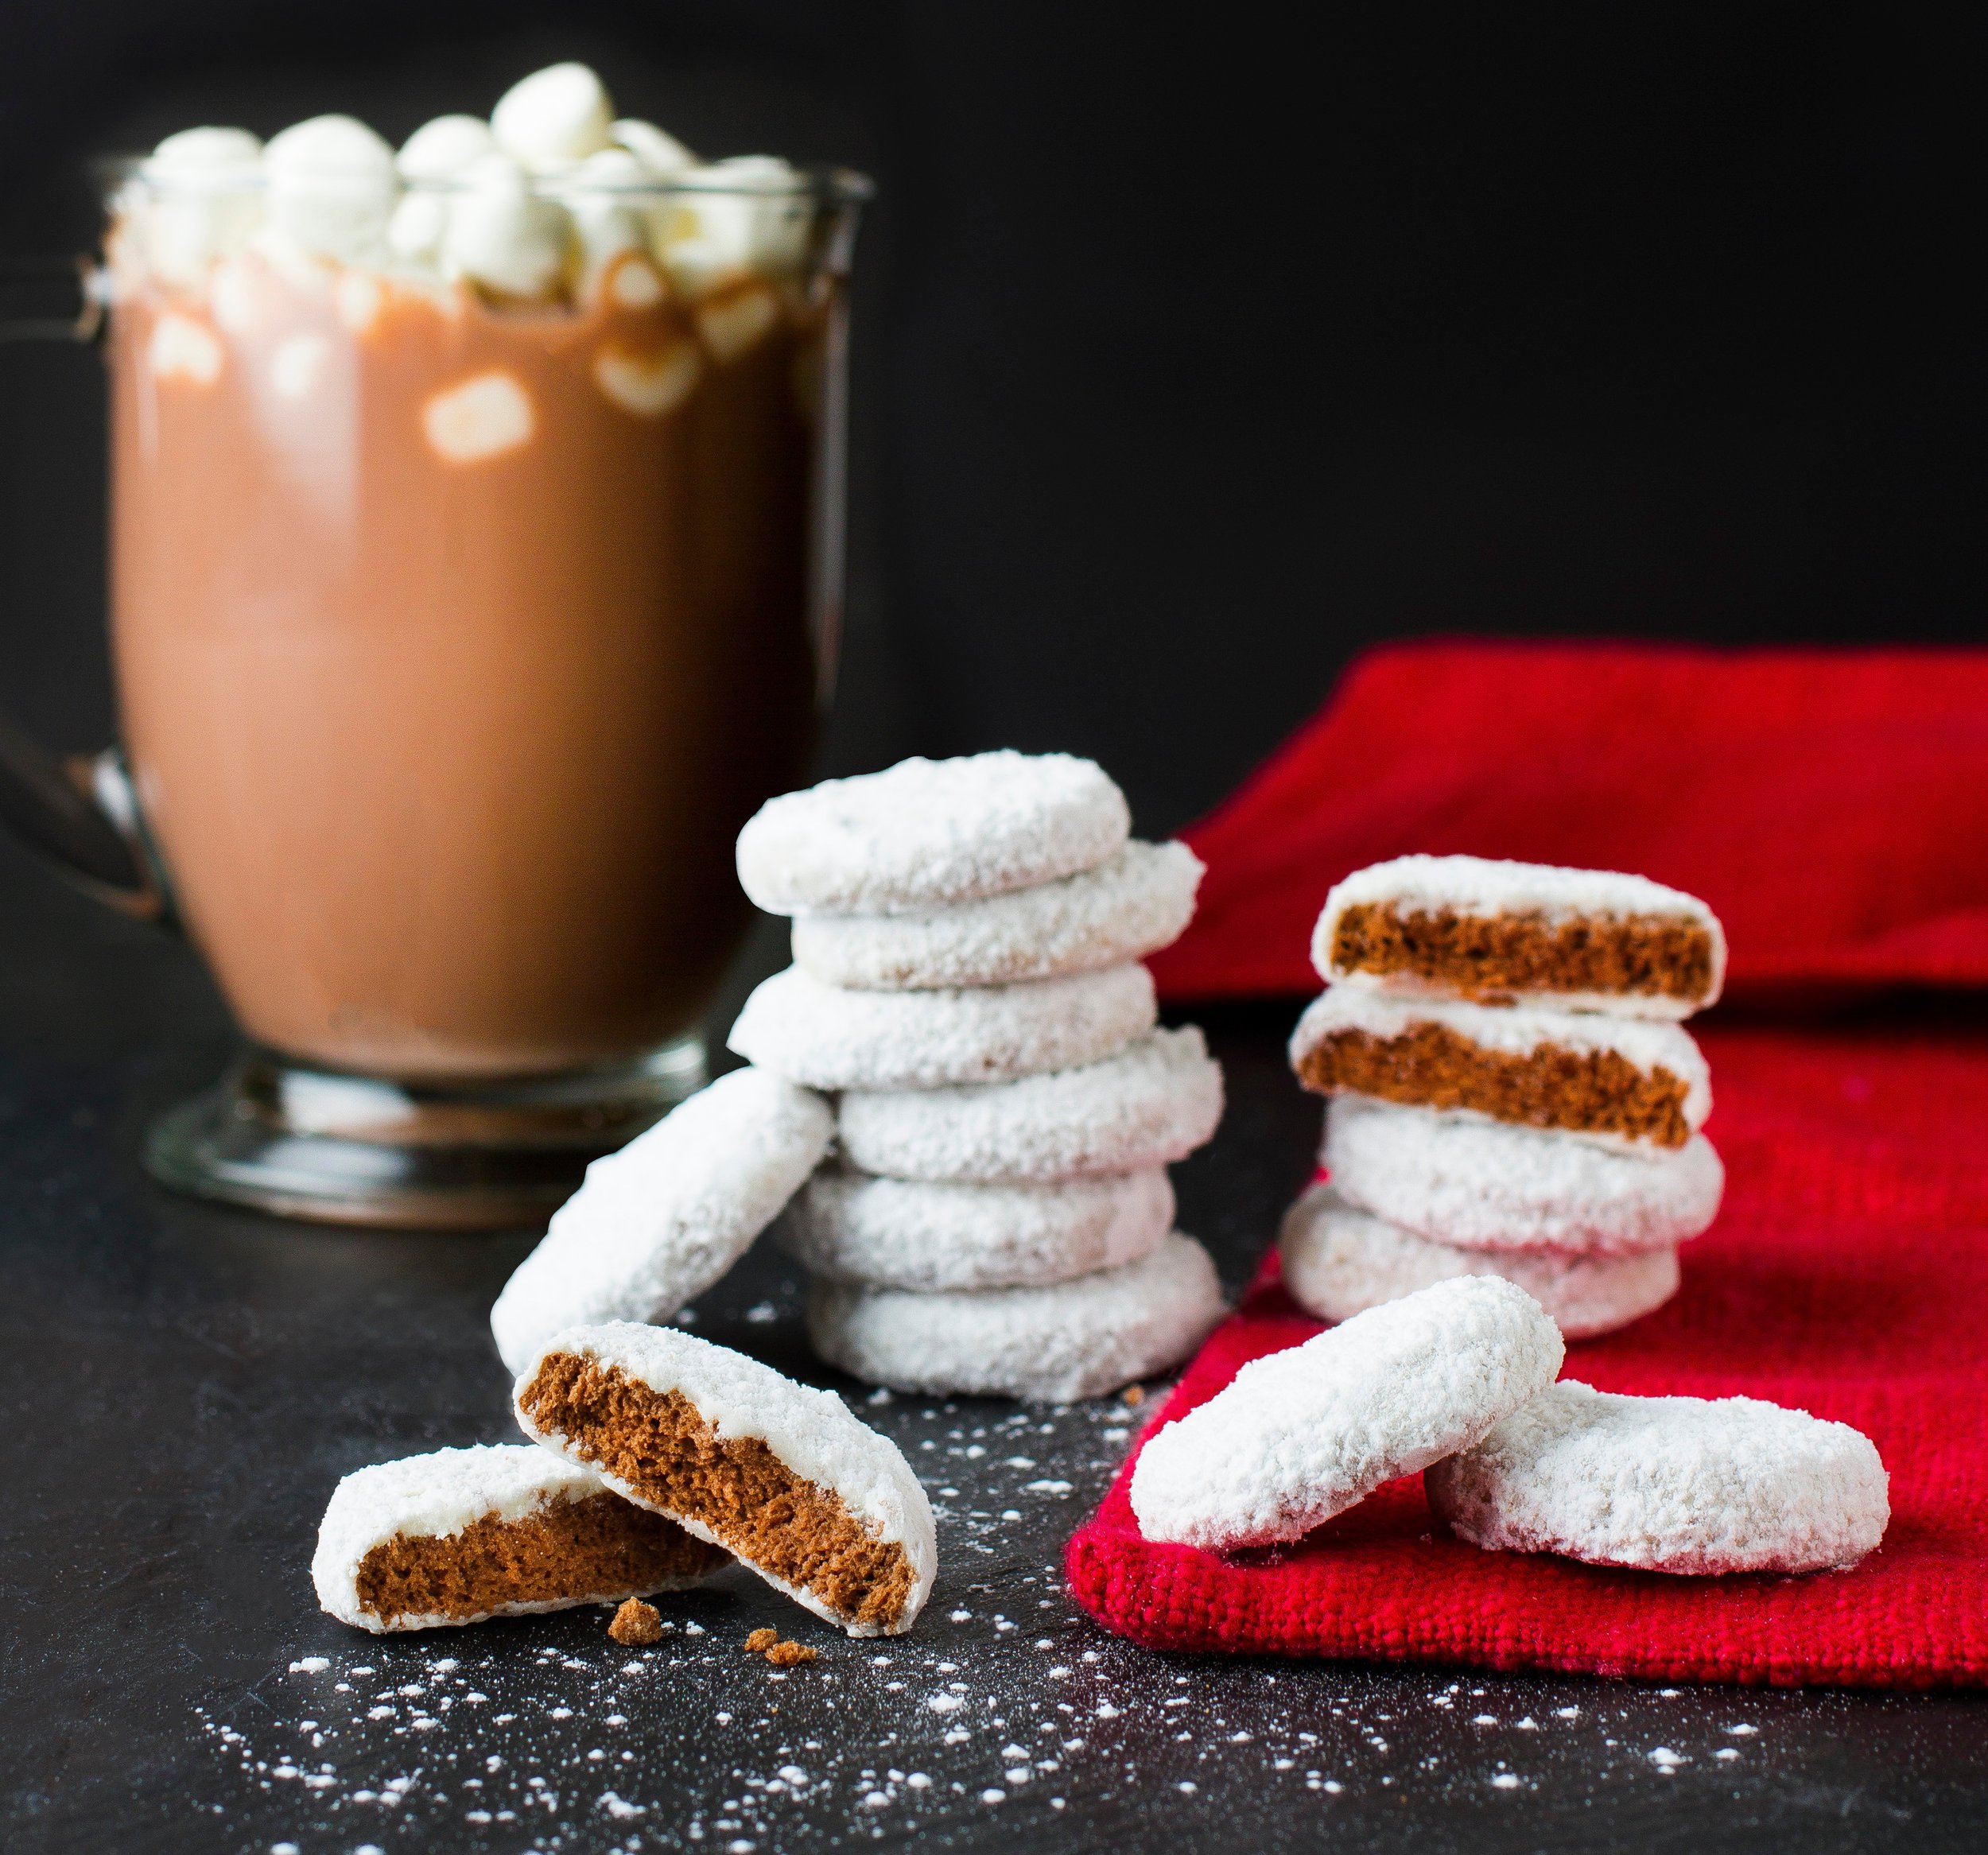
<point>446,756</point>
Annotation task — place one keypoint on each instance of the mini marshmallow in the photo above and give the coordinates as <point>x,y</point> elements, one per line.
<point>604,196</point>
<point>658,150</point>
<point>1155,1102</point>
<point>927,834</point>
<point>504,235</point>
<point>414,234</point>
<point>553,118</point>
<point>203,200</point>
<point>1052,1345</point>
<point>1339,1262</point>
<point>901,1233</point>
<point>1303,1434</point>
<point>480,418</point>
<point>650,385</point>
<point>182,349</point>
<point>1134,902</point>
<point>753,209</point>
<point>659,1221</point>
<point>1483,1185</point>
<point>444,147</point>
<point>332,188</point>
<point>1689,1485</point>
<point>830,1038</point>
<point>738,320</point>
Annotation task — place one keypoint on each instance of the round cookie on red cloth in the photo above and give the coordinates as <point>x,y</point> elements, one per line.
<point>1669,1484</point>
<point>1339,1261</point>
<point>1461,1180</point>
<point>1303,1434</point>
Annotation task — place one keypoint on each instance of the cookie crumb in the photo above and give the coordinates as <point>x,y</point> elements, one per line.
<point>1135,1394</point>
<point>789,1655</point>
<point>637,1624</point>
<point>761,1640</point>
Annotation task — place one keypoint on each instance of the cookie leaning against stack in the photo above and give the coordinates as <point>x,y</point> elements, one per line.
<point>967,941</point>
<point>1511,1094</point>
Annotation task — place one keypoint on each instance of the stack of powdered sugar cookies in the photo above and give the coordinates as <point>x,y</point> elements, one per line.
<point>1511,1092</point>
<point>967,986</point>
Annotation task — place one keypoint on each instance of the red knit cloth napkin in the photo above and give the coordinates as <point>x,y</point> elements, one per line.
<point>1831,805</point>
<point>1834,809</point>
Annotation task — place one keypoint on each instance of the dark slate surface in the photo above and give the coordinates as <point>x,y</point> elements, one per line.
<point>184,1386</point>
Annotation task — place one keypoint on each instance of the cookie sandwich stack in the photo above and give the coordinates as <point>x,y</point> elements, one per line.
<point>1512,1092</point>
<point>967,988</point>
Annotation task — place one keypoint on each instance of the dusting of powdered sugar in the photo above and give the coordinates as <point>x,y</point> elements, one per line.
<point>927,834</point>
<point>830,1038</point>
<point>1006,1713</point>
<point>1132,904</point>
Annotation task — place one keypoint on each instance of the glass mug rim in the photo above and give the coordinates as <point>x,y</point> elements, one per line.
<point>820,185</point>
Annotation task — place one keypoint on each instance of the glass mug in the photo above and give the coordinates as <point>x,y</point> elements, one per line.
<point>455,638</point>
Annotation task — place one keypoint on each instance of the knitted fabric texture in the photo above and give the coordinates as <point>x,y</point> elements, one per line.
<point>1845,1276</point>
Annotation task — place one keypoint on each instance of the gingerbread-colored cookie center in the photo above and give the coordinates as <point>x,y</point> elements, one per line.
<point>1430,1066</point>
<point>658,1444</point>
<point>599,1546</point>
<point>1501,956</point>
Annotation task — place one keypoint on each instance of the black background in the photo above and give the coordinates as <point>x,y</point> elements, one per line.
<point>1199,347</point>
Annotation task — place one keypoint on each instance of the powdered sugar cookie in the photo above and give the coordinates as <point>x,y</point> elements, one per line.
<point>1481,1184</point>
<point>1301,1435</point>
<point>830,1038</point>
<point>902,1233</point>
<point>1339,1262</point>
<point>1574,939</point>
<point>926,834</point>
<point>460,1535</point>
<point>1051,1345</point>
<point>656,1223</point>
<point>1155,1101</point>
<point>1137,901</point>
<point>781,1476</point>
<point>1608,1078</point>
<point>1669,1484</point>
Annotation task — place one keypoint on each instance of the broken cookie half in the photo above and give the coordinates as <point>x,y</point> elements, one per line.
<point>461,1536</point>
<point>782,1476</point>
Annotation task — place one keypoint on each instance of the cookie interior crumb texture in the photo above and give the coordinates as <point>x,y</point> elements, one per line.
<point>636,1625</point>
<point>761,1640</point>
<point>1430,1065</point>
<point>735,1487</point>
<point>789,1654</point>
<point>1504,956</point>
<point>601,1546</point>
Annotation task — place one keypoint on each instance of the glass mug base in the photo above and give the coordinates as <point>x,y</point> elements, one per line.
<point>284,1137</point>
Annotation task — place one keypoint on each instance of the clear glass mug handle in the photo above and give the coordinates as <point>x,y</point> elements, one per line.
<point>79,811</point>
